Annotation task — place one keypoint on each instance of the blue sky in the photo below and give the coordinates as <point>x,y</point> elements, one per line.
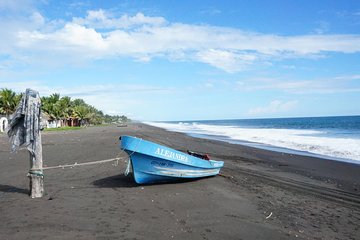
<point>187,60</point>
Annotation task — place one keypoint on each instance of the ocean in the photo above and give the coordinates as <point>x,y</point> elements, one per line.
<point>335,138</point>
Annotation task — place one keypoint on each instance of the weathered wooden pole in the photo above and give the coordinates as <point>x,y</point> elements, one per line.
<point>24,130</point>
<point>36,174</point>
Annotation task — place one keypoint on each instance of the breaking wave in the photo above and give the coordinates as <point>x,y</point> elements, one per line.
<point>304,140</point>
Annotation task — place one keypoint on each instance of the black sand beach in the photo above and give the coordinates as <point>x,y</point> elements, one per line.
<point>259,195</point>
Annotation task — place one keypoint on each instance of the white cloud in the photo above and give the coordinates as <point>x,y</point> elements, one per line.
<point>37,19</point>
<point>105,20</point>
<point>16,6</point>
<point>348,77</point>
<point>102,35</point>
<point>105,97</point>
<point>275,106</point>
<point>336,84</point>
<point>84,90</point>
<point>228,61</point>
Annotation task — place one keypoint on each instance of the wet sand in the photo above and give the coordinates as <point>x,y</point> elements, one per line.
<point>259,195</point>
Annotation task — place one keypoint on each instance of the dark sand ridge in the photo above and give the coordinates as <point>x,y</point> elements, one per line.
<point>309,198</point>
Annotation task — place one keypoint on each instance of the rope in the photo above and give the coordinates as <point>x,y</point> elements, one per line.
<point>35,170</point>
<point>129,164</point>
<point>35,173</point>
<point>76,164</point>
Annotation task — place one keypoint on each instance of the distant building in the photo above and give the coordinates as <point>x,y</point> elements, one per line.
<point>48,122</point>
<point>3,123</point>
<point>72,122</point>
<point>44,120</point>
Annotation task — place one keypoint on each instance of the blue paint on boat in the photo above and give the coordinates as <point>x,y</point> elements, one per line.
<point>152,162</point>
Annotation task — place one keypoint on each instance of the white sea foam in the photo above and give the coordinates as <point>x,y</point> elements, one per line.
<point>311,141</point>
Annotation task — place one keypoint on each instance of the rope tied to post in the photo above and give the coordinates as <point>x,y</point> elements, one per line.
<point>78,164</point>
<point>35,173</point>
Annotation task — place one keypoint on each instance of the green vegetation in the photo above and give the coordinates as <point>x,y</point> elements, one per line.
<point>8,101</point>
<point>62,129</point>
<point>62,110</point>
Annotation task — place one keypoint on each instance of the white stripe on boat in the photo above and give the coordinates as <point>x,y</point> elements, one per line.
<point>185,172</point>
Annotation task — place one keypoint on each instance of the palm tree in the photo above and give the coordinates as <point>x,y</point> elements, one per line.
<point>46,107</point>
<point>95,116</point>
<point>8,101</point>
<point>18,98</point>
<point>64,109</point>
<point>82,112</point>
<point>51,106</point>
<point>78,102</point>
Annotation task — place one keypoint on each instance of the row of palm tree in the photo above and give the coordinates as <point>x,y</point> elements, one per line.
<point>63,110</point>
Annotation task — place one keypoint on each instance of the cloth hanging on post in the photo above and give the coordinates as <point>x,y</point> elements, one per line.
<point>24,127</point>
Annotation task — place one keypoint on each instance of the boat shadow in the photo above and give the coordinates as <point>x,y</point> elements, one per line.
<point>118,181</point>
<point>122,181</point>
<point>12,189</point>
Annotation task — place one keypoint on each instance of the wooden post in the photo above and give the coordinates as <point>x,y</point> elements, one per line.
<point>24,129</point>
<point>36,174</point>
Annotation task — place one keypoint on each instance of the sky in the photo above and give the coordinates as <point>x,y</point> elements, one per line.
<point>187,60</point>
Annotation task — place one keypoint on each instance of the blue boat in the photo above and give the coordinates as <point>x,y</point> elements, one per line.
<point>153,163</point>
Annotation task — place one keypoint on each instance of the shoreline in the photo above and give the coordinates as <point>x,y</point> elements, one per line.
<point>271,148</point>
<point>322,141</point>
<point>259,194</point>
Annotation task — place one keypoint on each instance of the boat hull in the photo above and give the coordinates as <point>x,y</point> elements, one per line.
<point>153,163</point>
